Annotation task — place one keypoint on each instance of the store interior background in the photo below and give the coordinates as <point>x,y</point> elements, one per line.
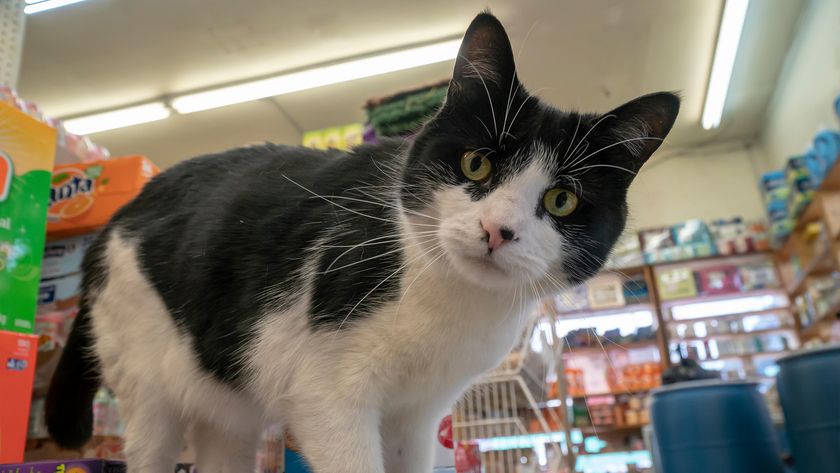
<point>588,55</point>
<point>593,55</point>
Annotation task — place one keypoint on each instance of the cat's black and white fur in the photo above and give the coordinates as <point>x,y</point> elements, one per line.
<point>353,296</point>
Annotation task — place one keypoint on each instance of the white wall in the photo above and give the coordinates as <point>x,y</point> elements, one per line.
<point>809,82</point>
<point>706,183</point>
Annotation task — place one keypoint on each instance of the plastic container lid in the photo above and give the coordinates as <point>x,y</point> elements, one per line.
<point>702,383</point>
<point>808,351</point>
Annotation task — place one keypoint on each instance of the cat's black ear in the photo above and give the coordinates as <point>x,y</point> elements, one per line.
<point>640,126</point>
<point>484,60</point>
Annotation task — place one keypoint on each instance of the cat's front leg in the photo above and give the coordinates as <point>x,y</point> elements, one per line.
<point>408,441</point>
<point>338,437</point>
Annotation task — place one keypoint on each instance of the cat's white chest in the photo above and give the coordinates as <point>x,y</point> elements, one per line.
<point>438,343</point>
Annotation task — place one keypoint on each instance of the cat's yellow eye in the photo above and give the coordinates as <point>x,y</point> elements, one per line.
<point>560,202</point>
<point>476,166</point>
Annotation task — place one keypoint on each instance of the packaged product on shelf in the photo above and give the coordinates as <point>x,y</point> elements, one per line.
<point>636,290</point>
<point>341,137</point>
<point>605,291</point>
<point>60,293</point>
<point>18,353</point>
<point>761,275</point>
<point>734,236</point>
<point>676,283</point>
<point>694,239</point>
<point>53,327</point>
<point>656,243</point>
<point>83,197</point>
<point>721,280</point>
<point>626,253</point>
<point>774,186</point>
<point>63,257</point>
<point>802,184</point>
<point>572,299</point>
<point>26,160</point>
<point>70,466</point>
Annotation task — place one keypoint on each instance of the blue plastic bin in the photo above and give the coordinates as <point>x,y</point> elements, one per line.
<point>714,426</point>
<point>809,389</point>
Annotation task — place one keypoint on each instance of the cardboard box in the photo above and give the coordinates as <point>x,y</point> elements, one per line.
<point>71,466</point>
<point>63,257</point>
<point>27,150</point>
<point>83,197</point>
<point>79,466</point>
<point>63,291</point>
<point>17,371</point>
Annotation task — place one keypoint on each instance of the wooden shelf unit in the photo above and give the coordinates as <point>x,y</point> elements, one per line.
<point>814,260</point>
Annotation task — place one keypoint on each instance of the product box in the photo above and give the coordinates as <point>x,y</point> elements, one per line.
<point>17,371</point>
<point>27,149</point>
<point>676,283</point>
<point>63,257</point>
<point>344,137</point>
<point>83,197</point>
<point>70,466</point>
<point>63,291</point>
<point>79,466</point>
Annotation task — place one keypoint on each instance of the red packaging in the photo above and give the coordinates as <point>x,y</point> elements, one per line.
<point>17,371</point>
<point>467,458</point>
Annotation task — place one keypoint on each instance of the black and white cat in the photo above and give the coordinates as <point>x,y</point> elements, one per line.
<point>353,296</point>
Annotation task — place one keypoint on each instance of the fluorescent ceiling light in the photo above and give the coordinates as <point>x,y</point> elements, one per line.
<point>317,77</point>
<point>123,117</point>
<point>731,26</point>
<point>35,6</point>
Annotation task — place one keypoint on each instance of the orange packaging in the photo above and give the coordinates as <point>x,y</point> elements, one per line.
<point>84,196</point>
<point>17,373</point>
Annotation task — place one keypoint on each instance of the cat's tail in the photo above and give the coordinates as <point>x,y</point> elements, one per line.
<point>69,404</point>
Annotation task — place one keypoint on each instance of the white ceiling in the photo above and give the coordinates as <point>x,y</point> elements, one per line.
<point>590,55</point>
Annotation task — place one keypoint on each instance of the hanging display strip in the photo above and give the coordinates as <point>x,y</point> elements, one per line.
<point>12,23</point>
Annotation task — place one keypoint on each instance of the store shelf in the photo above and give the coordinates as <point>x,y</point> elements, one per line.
<point>609,346</point>
<point>606,429</point>
<point>813,212</point>
<point>706,260</point>
<point>614,393</point>
<point>576,314</point>
<point>669,304</point>
<point>736,315</point>
<point>718,336</point>
<point>815,329</point>
<point>819,265</point>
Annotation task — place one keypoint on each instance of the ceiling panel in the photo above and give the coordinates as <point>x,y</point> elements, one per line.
<point>590,55</point>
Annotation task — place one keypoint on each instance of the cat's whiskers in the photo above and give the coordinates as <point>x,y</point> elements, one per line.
<point>487,90</point>
<point>392,237</point>
<point>591,129</point>
<point>628,140</point>
<point>403,266</point>
<point>485,126</point>
<point>330,269</point>
<point>532,95</point>
<point>571,143</point>
<point>334,203</point>
<point>405,293</point>
<point>382,204</point>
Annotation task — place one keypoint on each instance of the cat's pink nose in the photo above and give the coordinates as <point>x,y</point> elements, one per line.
<point>497,235</point>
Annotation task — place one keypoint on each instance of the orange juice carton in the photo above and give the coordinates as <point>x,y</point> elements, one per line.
<point>27,150</point>
<point>17,371</point>
<point>84,196</point>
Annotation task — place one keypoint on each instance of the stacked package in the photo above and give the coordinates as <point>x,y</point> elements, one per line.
<point>403,113</point>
